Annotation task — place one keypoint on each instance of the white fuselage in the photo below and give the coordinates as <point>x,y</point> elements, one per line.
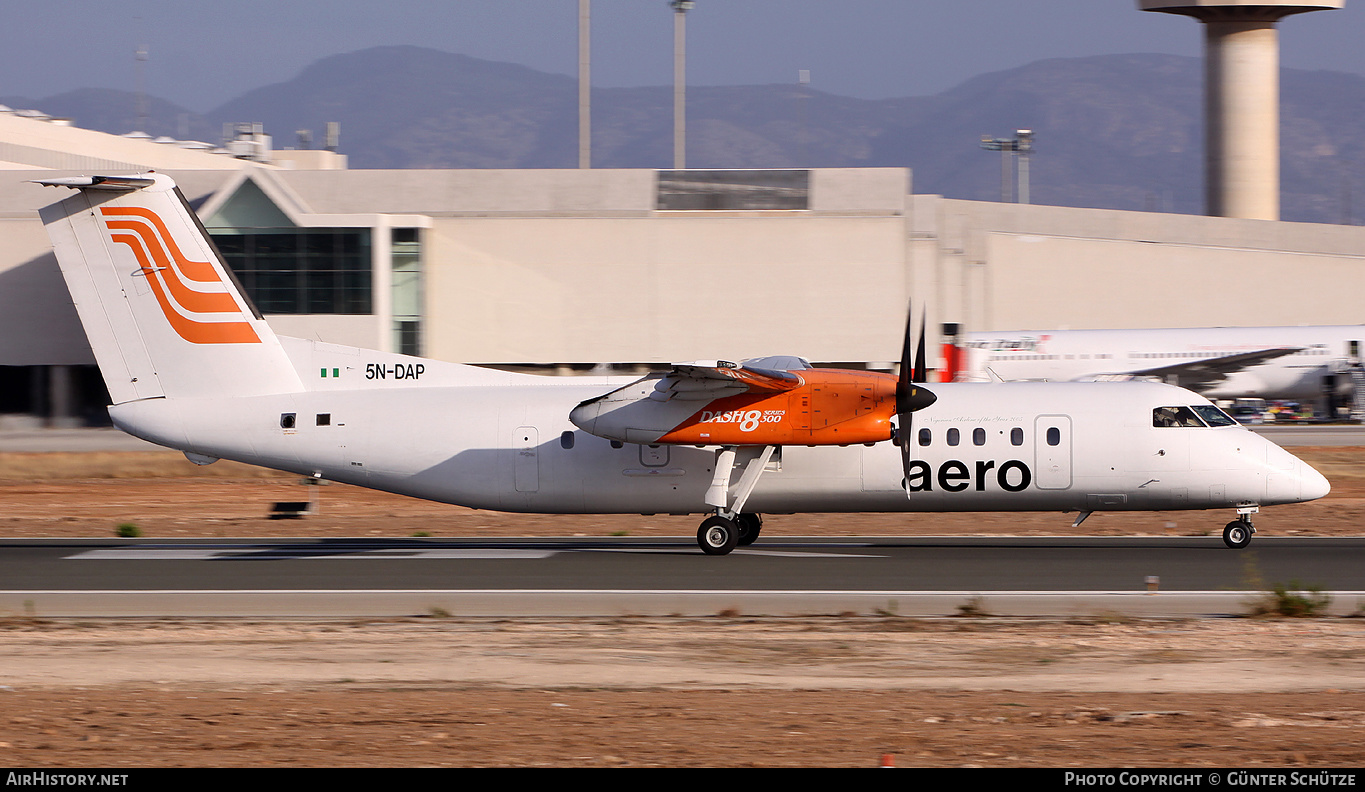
<point>191,365</point>
<point>1061,355</point>
<point>507,444</point>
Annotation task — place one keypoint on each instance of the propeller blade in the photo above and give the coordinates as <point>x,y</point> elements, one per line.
<point>920,374</point>
<point>911,395</point>
<point>905,454</point>
<point>908,348</point>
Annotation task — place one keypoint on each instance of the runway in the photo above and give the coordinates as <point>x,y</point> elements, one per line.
<point>934,576</point>
<point>1311,435</point>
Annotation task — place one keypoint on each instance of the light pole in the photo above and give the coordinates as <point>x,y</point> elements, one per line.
<point>803,78</point>
<point>1021,145</point>
<point>584,84</point>
<point>140,56</point>
<point>680,9</point>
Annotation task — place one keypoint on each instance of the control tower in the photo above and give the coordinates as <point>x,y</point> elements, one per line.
<point>1241,99</point>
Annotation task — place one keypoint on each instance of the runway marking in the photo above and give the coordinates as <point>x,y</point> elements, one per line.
<point>738,551</point>
<point>209,553</point>
<point>389,553</point>
<point>453,552</point>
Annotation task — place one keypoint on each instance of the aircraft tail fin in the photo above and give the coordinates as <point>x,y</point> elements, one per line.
<point>162,311</point>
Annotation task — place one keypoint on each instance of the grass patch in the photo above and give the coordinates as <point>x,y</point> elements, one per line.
<point>1280,600</point>
<point>1292,601</point>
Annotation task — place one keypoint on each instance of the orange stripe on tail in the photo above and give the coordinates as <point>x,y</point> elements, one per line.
<point>155,261</point>
<point>185,297</point>
<point>201,271</point>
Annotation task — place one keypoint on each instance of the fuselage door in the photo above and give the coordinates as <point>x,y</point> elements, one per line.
<point>527,464</point>
<point>1052,451</point>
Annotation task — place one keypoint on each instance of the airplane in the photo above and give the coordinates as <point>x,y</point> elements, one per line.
<point>1284,363</point>
<point>190,364</point>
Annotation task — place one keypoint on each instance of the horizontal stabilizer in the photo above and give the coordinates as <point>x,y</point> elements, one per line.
<point>115,183</point>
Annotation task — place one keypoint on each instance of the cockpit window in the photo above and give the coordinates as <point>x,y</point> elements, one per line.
<point>1175,416</point>
<point>1214,416</point>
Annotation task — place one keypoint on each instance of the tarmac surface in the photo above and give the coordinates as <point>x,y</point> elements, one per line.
<point>613,576</point>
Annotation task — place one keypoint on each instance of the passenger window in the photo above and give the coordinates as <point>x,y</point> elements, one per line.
<point>925,437</point>
<point>287,420</point>
<point>1175,416</point>
<point>953,437</point>
<point>566,440</point>
<point>1054,436</point>
<point>1016,436</point>
<point>324,419</point>
<point>978,436</point>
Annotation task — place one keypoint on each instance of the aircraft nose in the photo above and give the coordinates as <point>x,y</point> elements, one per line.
<point>1314,485</point>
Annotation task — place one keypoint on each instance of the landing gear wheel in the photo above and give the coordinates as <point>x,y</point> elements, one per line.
<point>749,526</point>
<point>717,536</point>
<point>1237,534</point>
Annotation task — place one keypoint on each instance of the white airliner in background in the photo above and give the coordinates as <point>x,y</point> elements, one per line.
<point>191,365</point>
<point>1288,363</point>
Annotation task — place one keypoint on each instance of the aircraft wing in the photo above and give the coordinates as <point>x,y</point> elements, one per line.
<point>1201,374</point>
<point>652,406</point>
<point>705,380</point>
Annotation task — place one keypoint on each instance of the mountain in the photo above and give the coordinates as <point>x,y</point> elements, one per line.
<point>408,107</point>
<point>117,112</point>
<point>1114,131</point>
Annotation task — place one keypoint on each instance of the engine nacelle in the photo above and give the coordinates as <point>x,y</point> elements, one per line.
<point>826,407</point>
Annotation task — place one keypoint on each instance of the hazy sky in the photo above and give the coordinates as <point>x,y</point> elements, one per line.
<point>201,55</point>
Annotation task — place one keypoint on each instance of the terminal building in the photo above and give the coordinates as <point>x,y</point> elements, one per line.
<point>565,270</point>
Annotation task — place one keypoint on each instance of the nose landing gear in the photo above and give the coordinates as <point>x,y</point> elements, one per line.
<point>1238,533</point>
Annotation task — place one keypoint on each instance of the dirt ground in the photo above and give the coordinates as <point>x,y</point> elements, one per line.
<point>722,691</point>
<point>812,692</point>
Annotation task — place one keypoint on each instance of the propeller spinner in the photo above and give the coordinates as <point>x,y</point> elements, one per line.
<point>911,395</point>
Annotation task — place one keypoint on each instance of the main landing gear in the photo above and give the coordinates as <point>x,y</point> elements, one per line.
<point>719,535</point>
<point>730,527</point>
